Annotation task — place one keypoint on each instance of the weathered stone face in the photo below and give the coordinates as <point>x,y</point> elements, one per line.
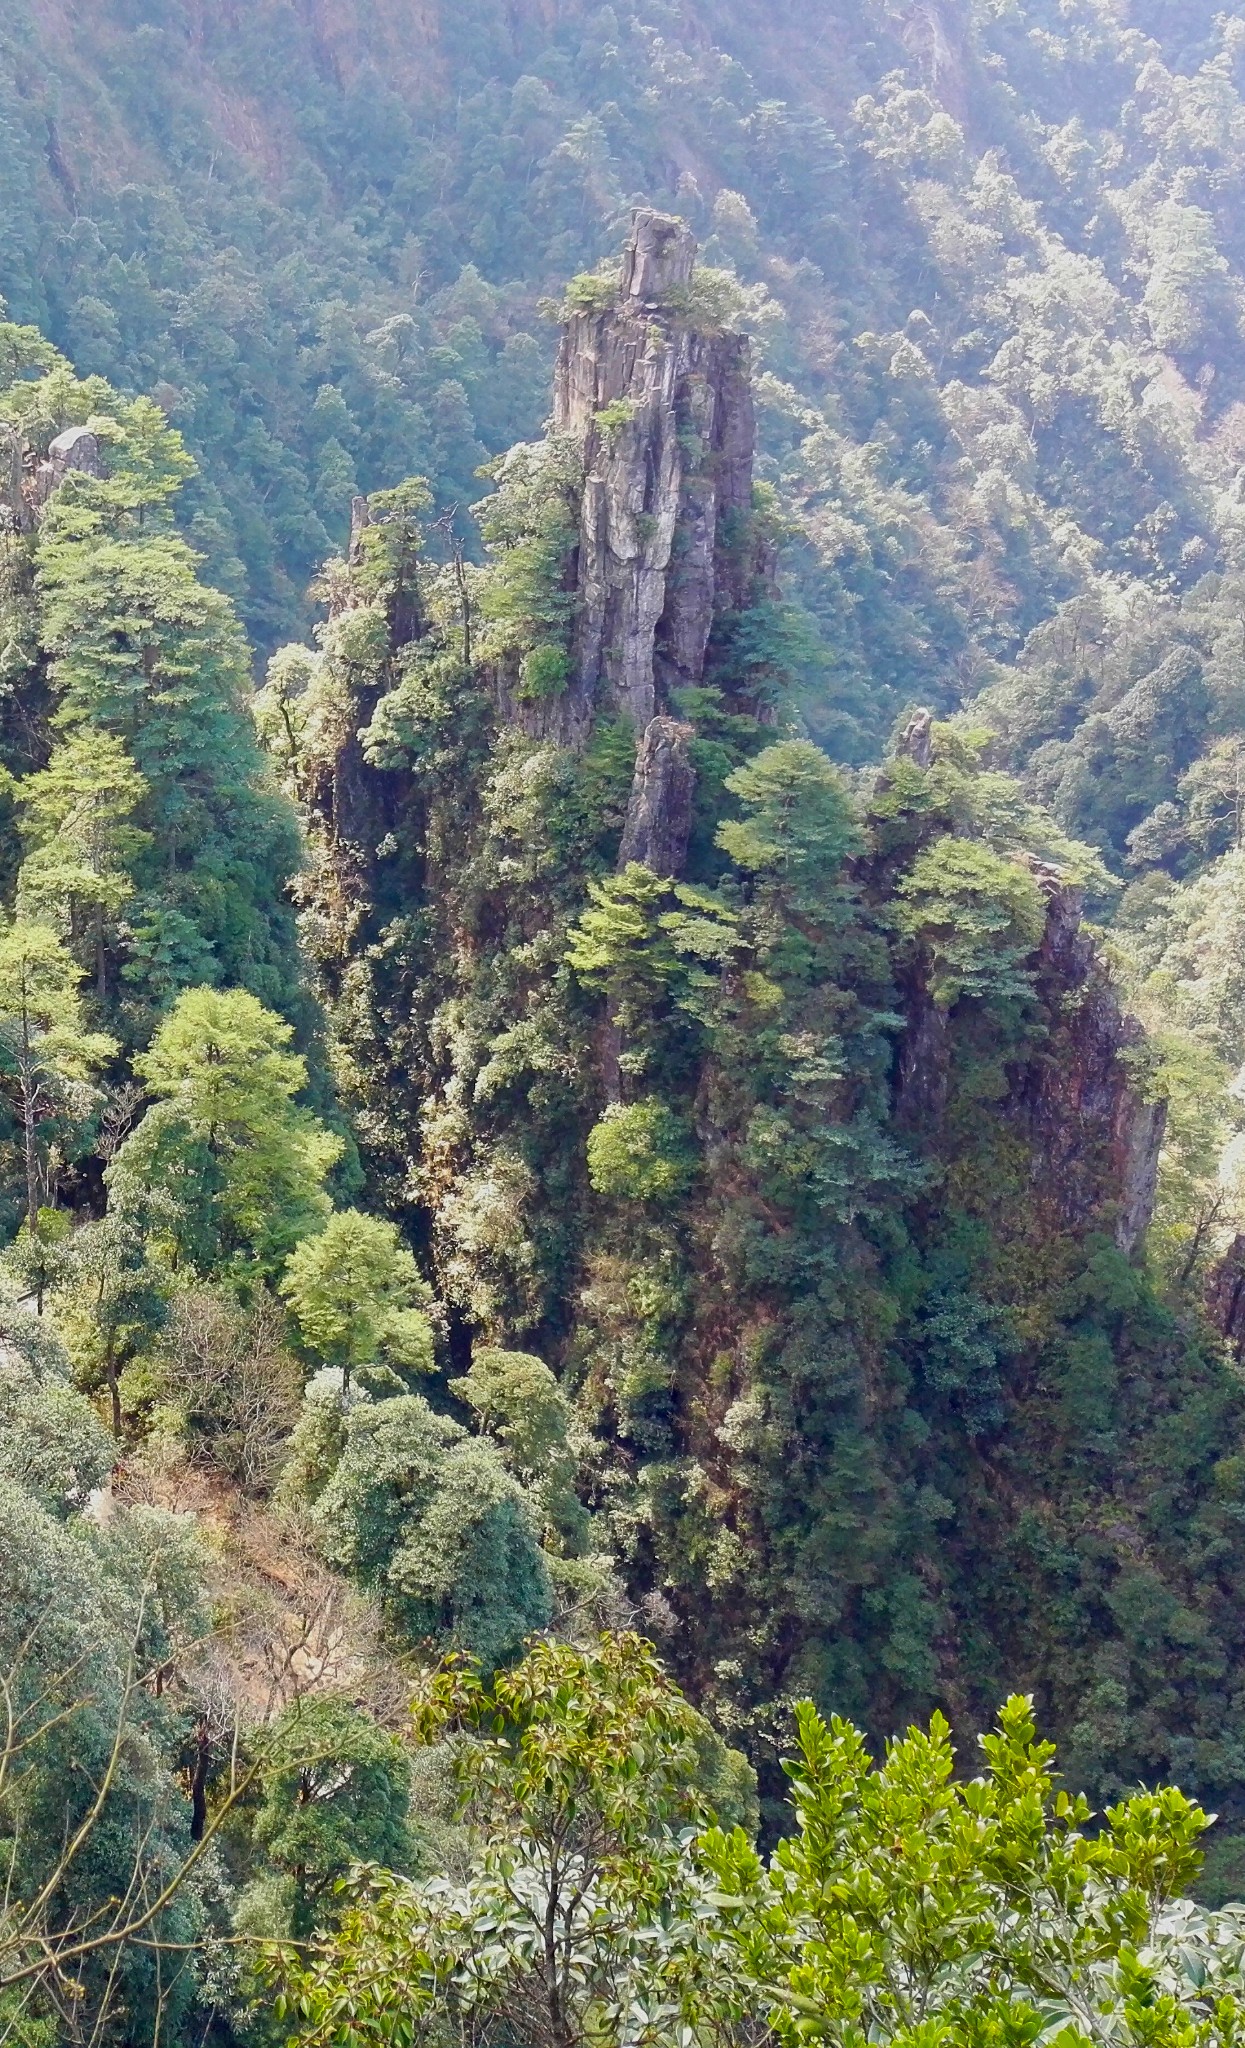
<point>12,500</point>
<point>1096,1139</point>
<point>663,413</point>
<point>659,816</point>
<point>660,257</point>
<point>1225,1296</point>
<point>77,448</point>
<point>1093,1138</point>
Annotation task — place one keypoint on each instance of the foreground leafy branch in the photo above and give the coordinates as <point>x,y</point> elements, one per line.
<point>906,1907</point>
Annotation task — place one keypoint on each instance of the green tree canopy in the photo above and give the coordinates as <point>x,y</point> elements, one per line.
<point>78,819</point>
<point>334,1792</point>
<point>424,1515</point>
<point>48,1059</point>
<point>353,1290</point>
<point>225,1166</point>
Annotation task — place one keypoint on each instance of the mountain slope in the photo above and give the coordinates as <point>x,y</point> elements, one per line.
<point>999,360</point>
<point>799,1128</point>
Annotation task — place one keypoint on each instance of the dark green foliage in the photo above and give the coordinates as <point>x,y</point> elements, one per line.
<point>749,1159</point>
<point>767,1223</point>
<point>335,1791</point>
<point>424,1516</point>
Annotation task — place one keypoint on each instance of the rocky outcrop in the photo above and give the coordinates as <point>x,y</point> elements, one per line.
<point>78,450</point>
<point>26,483</point>
<point>659,815</point>
<point>12,501</point>
<point>659,258</point>
<point>662,410</point>
<point>360,520</point>
<point>1093,1137</point>
<point>924,1062</point>
<point>916,741</point>
<point>1225,1296</point>
<point>1096,1139</point>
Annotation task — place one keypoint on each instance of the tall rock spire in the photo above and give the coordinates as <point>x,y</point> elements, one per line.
<point>660,402</point>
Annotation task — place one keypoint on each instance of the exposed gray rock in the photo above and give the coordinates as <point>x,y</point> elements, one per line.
<point>916,741</point>
<point>660,256</point>
<point>659,815</point>
<point>77,448</point>
<point>1140,1129</point>
<point>1094,1139</point>
<point>1225,1296</point>
<point>1097,1140</point>
<point>663,414</point>
<point>924,1063</point>
<point>12,500</point>
<point>360,520</point>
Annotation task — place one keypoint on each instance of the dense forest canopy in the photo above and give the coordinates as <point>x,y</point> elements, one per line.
<point>622,962</point>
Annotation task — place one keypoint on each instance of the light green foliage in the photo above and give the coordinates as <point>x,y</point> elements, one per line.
<point>639,1152</point>
<point>48,1058</point>
<point>912,1907</point>
<point>622,945</point>
<point>800,823</point>
<point>879,1410</point>
<point>978,916</point>
<point>522,1407</point>
<point>425,1516</point>
<point>617,941</point>
<point>52,1445</point>
<point>282,709</point>
<point>110,1302</point>
<point>592,291</point>
<point>224,1058</point>
<point>519,1400</point>
<point>1180,956</point>
<point>611,420</point>
<point>37,1259</point>
<point>849,1256</point>
<point>354,1290</point>
<point>78,819</point>
<point>390,544</point>
<point>905,1906</point>
<point>225,1166</point>
<point>155,796</point>
<point>334,1792</point>
<point>580,1910</point>
<point>315,1446</point>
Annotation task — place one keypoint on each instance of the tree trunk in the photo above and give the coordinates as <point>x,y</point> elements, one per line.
<point>114,1392</point>
<point>29,1133</point>
<point>611,1043</point>
<point>198,1782</point>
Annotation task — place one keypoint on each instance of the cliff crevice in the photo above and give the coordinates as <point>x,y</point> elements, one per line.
<point>1096,1138</point>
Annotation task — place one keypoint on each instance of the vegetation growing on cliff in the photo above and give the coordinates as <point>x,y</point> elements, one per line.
<point>576,1107</point>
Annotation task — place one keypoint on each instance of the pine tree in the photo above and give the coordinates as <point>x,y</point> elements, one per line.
<point>48,1059</point>
<point>78,819</point>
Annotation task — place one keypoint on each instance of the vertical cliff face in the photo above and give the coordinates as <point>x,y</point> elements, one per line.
<point>1096,1139</point>
<point>813,1240</point>
<point>659,402</point>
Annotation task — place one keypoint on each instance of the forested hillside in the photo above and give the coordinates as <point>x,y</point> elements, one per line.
<point>622,796</point>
